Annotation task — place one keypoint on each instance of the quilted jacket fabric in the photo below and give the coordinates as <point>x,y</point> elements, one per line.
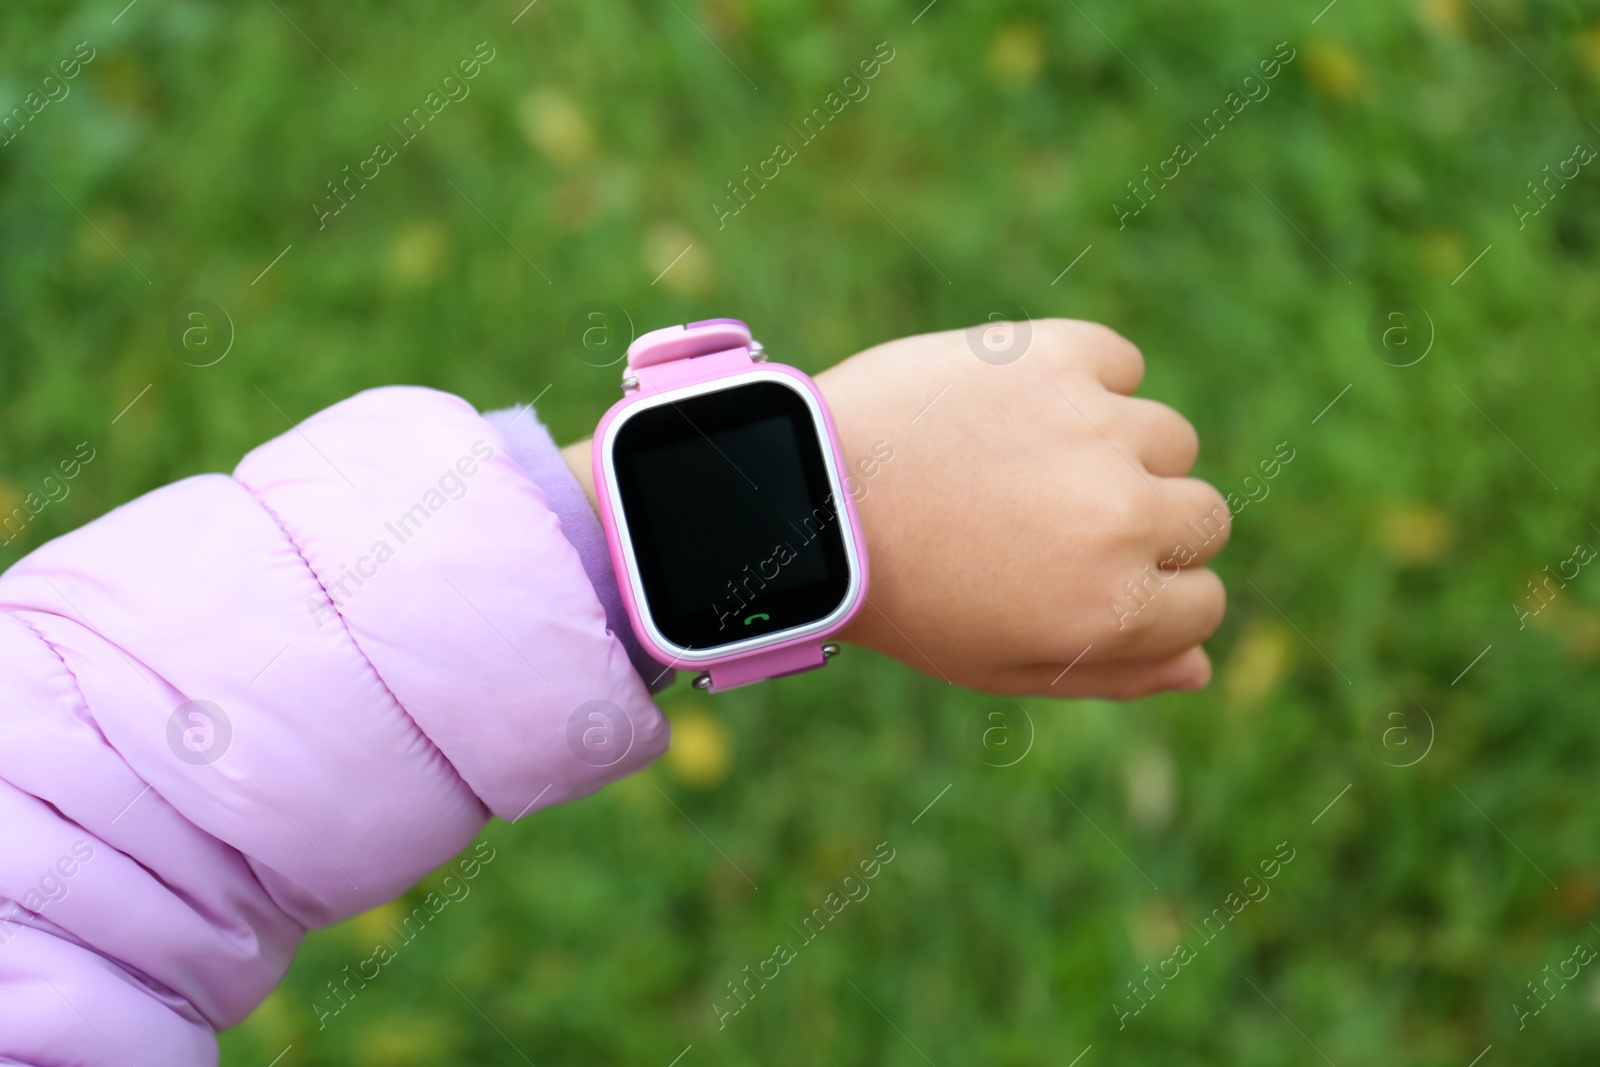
<point>239,707</point>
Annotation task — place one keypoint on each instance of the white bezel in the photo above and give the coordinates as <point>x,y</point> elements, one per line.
<point>625,536</point>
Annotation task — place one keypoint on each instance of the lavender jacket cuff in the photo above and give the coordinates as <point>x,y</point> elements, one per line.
<point>536,453</point>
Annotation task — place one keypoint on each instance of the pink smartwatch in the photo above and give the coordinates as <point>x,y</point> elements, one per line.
<point>721,487</point>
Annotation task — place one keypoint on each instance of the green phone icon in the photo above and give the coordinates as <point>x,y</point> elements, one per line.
<point>757,615</point>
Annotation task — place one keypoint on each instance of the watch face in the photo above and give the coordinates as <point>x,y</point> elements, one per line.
<point>731,515</point>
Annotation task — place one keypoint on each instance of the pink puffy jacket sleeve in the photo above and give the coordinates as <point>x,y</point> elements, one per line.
<point>239,707</point>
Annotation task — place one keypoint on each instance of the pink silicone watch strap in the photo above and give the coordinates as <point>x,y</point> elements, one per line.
<point>686,342</point>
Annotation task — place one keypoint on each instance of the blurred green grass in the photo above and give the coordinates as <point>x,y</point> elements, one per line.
<point>190,150</point>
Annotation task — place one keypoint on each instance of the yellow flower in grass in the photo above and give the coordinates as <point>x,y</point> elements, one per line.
<point>403,1040</point>
<point>701,754</point>
<point>1016,54</point>
<point>554,125</point>
<point>1150,786</point>
<point>1581,635</point>
<point>1589,50</point>
<point>1333,71</point>
<point>372,928</point>
<point>1153,929</point>
<point>1414,533</point>
<point>417,254</point>
<point>1256,664</point>
<point>677,259</point>
<point>1442,16</point>
<point>10,497</point>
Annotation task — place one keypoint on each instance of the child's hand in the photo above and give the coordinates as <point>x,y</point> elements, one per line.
<point>1019,501</point>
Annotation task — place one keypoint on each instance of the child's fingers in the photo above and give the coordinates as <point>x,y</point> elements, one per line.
<point>1163,616</point>
<point>1113,360</point>
<point>1163,440</point>
<point>1127,680</point>
<point>1195,517</point>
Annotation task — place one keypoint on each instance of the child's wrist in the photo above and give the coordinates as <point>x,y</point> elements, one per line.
<point>577,458</point>
<point>855,439</point>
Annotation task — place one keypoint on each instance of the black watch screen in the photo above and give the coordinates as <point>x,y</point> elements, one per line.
<point>731,515</point>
